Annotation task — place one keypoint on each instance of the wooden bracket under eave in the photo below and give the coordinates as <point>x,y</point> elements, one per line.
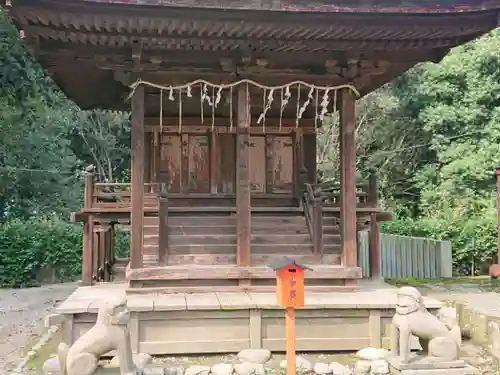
<point>136,56</point>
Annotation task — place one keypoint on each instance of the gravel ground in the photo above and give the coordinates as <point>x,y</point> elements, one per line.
<point>22,314</point>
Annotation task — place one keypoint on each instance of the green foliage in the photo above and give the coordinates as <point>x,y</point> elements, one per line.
<point>34,249</point>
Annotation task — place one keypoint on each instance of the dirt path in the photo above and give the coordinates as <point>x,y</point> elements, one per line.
<point>22,313</point>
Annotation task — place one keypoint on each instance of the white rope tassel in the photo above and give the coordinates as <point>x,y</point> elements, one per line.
<point>316,116</point>
<point>324,104</point>
<point>214,99</point>
<point>202,102</point>
<point>281,111</point>
<point>298,108</point>
<point>306,103</point>
<point>180,111</point>
<point>161,111</point>
<point>262,117</point>
<point>213,108</point>
<point>231,108</point>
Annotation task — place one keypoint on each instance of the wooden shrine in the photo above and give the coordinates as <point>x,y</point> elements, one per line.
<point>223,174</point>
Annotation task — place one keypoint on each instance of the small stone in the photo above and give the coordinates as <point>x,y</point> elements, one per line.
<point>380,367</point>
<point>301,364</point>
<point>51,366</point>
<point>197,370</point>
<point>140,360</point>
<point>362,367</point>
<point>248,368</point>
<point>179,370</point>
<point>372,354</point>
<point>254,355</point>
<point>222,369</point>
<point>339,369</point>
<point>31,353</point>
<point>153,371</point>
<point>321,368</point>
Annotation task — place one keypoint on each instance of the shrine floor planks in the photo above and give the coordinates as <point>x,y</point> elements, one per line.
<point>228,322</point>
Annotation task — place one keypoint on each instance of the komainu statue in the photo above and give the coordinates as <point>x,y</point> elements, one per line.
<point>110,332</point>
<point>439,335</point>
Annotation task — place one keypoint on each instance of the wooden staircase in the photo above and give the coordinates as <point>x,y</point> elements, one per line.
<point>211,240</point>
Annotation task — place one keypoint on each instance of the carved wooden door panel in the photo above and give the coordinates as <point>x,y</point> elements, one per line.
<point>257,164</point>
<point>227,163</point>
<point>199,164</point>
<point>282,163</point>
<point>171,161</point>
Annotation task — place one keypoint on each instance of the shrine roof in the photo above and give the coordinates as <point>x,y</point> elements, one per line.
<point>86,45</point>
<point>323,6</point>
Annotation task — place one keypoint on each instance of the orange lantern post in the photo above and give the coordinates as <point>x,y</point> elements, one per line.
<point>290,295</point>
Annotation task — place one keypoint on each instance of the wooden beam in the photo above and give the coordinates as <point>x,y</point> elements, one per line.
<point>348,178</point>
<point>88,230</point>
<point>137,179</point>
<point>243,198</point>
<point>223,124</point>
<point>122,54</point>
<point>232,272</point>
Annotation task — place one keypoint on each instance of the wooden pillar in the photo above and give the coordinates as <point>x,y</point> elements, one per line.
<point>348,178</point>
<point>374,233</point>
<point>243,202</point>
<point>88,230</point>
<point>156,159</point>
<point>137,185</point>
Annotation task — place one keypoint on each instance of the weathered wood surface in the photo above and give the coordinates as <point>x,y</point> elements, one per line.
<point>348,230</point>
<point>137,178</point>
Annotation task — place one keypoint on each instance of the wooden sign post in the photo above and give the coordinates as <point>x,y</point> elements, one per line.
<point>290,295</point>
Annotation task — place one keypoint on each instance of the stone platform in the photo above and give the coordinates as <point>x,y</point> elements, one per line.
<point>229,322</point>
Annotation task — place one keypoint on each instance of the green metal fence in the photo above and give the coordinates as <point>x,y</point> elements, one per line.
<point>402,256</point>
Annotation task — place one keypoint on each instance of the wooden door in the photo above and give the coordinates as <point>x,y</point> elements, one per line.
<point>171,161</point>
<point>282,165</point>
<point>199,164</point>
<point>227,163</point>
<point>257,164</point>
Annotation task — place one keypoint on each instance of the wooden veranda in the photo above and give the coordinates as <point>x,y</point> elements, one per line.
<point>223,181</point>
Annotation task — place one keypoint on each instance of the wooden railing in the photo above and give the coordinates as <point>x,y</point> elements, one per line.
<point>98,254</point>
<point>163,218</point>
<point>118,194</point>
<point>314,218</point>
<point>329,194</point>
<point>321,196</point>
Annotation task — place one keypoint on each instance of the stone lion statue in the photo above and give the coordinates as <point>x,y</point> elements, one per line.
<point>110,332</point>
<point>439,335</point>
